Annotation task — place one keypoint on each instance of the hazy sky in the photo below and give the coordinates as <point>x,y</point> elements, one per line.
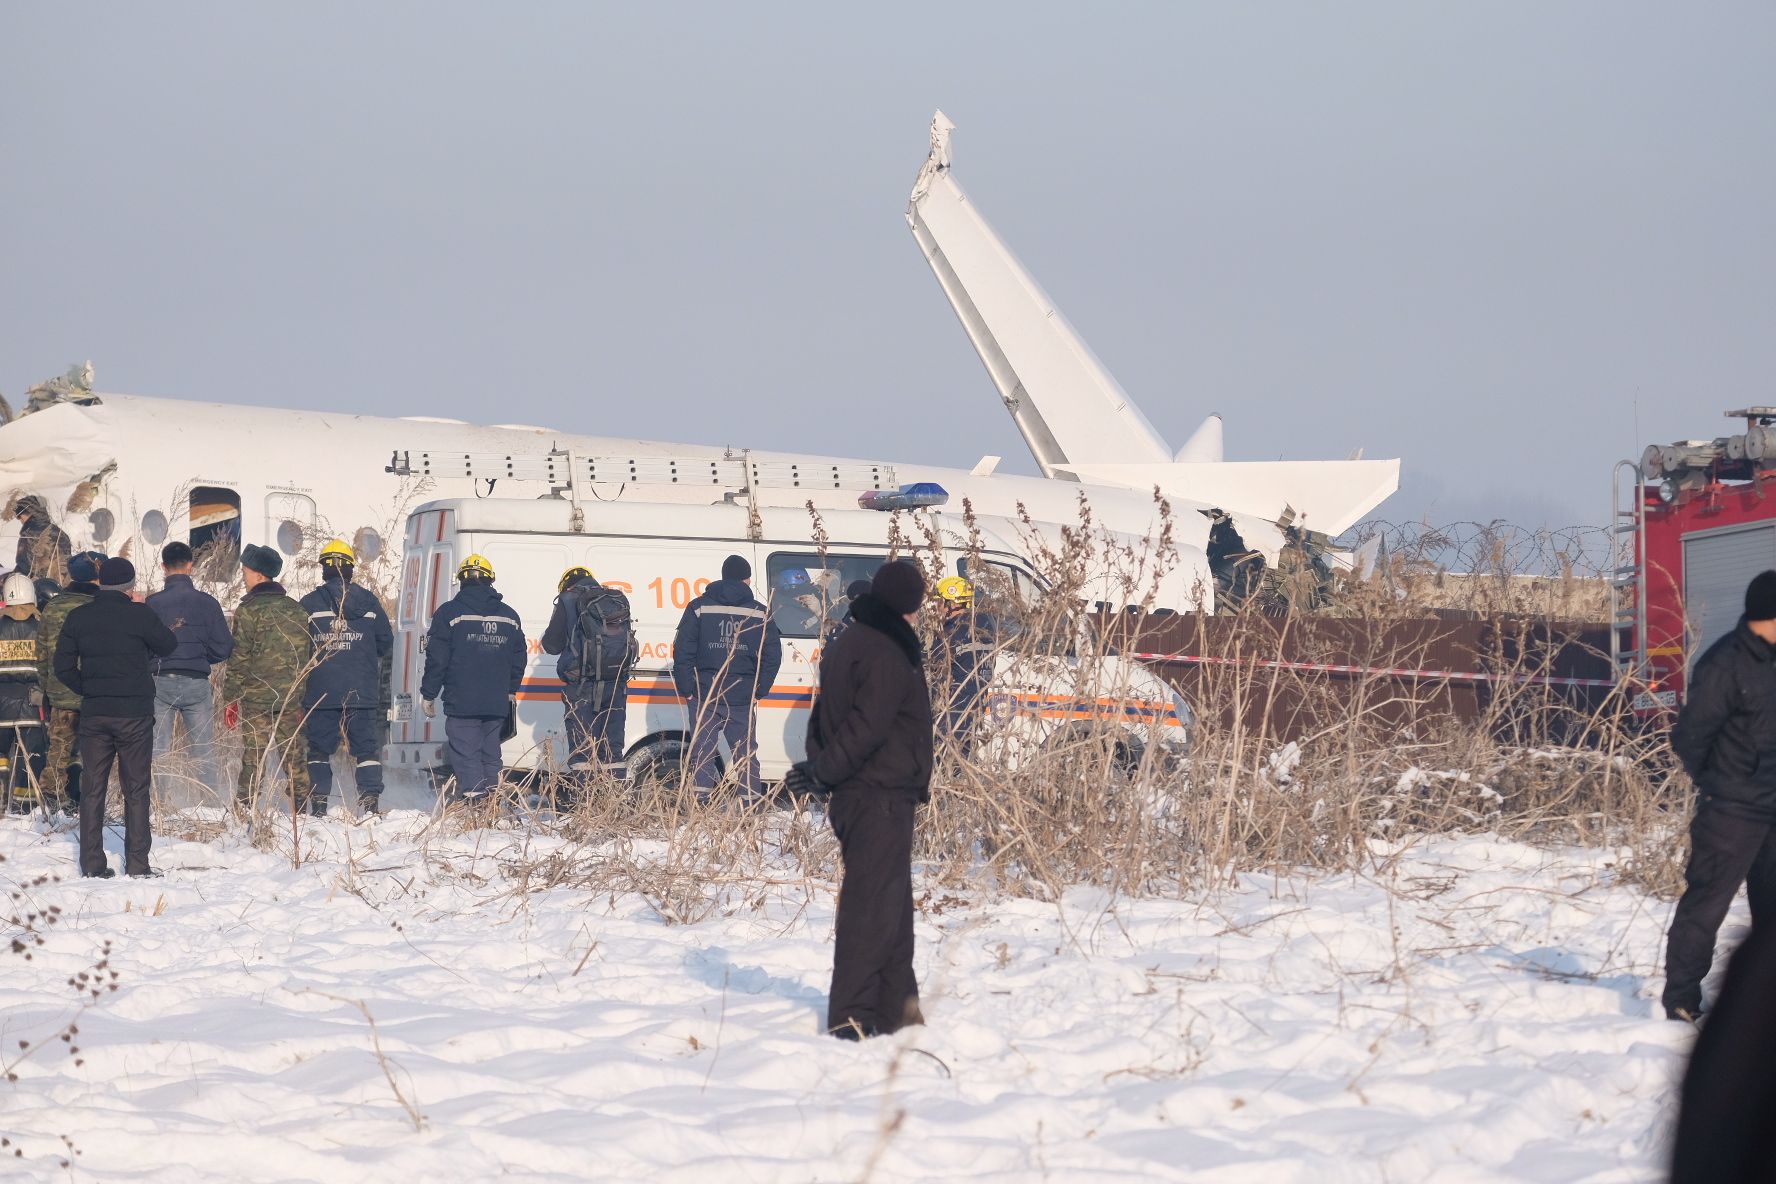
<point>1509,243</point>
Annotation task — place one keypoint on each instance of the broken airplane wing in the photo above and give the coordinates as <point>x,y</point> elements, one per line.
<point>1076,419</point>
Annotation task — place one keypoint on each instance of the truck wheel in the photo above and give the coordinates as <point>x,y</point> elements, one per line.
<point>658,764</point>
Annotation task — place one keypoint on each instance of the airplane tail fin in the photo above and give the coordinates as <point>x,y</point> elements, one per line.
<point>1065,403</point>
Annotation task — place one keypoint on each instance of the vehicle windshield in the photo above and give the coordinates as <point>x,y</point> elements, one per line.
<point>1027,618</point>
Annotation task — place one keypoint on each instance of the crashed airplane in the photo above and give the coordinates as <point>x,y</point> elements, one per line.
<point>125,473</point>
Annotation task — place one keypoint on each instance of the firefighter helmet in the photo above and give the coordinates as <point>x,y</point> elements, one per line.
<point>571,574</point>
<point>19,591</point>
<point>475,565</point>
<point>955,590</point>
<point>338,551</point>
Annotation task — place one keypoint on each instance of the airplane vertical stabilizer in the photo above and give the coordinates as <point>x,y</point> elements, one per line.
<point>1067,405</point>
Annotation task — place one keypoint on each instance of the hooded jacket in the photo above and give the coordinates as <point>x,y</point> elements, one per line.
<point>197,621</point>
<point>1726,733</point>
<point>475,654</point>
<point>727,648</point>
<point>870,731</point>
<point>352,641</point>
<point>55,615</point>
<point>105,654</point>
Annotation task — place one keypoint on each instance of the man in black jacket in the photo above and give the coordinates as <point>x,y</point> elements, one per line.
<point>725,659</point>
<point>1726,738</point>
<point>592,633</point>
<point>182,681</point>
<point>475,656</point>
<point>103,655</point>
<point>869,740</point>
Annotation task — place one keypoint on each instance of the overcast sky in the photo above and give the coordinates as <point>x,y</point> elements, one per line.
<point>1509,243</point>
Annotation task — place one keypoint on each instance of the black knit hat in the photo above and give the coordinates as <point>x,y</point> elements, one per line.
<point>83,566</point>
<point>117,573</point>
<point>263,560</point>
<point>735,567</point>
<point>1760,597</point>
<point>900,585</point>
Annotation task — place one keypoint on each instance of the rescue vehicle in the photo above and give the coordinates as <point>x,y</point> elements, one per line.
<point>1694,521</point>
<point>662,554</point>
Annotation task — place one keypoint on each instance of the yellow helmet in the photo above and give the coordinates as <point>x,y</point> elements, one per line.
<point>338,551</point>
<point>474,565</point>
<point>571,574</point>
<point>955,590</point>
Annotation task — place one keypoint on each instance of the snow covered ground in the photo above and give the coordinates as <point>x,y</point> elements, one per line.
<point>1482,1011</point>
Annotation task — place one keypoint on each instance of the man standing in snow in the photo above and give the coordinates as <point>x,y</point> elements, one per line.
<point>474,657</point>
<point>1726,738</point>
<point>870,746</point>
<point>724,659</point>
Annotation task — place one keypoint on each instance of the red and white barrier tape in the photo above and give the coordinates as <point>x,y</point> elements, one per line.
<point>1384,671</point>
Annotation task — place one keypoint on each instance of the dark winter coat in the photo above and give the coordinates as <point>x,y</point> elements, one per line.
<point>55,615</point>
<point>106,652</point>
<point>18,669</point>
<point>352,640</point>
<point>1726,733</point>
<point>272,647</point>
<point>966,646</point>
<point>727,648</point>
<point>560,624</point>
<point>1724,1132</point>
<point>562,637</point>
<point>475,654</point>
<point>197,621</point>
<point>870,730</point>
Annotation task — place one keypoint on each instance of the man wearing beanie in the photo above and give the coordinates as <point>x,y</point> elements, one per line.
<point>869,745</point>
<point>104,655</point>
<point>724,659</point>
<point>1728,720</point>
<point>262,690</point>
<point>61,775</point>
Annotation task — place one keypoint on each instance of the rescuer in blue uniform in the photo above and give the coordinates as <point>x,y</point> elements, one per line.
<point>475,656</point>
<point>965,643</point>
<point>724,660</point>
<point>345,690</point>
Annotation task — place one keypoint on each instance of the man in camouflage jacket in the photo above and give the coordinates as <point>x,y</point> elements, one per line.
<point>61,775</point>
<point>262,690</point>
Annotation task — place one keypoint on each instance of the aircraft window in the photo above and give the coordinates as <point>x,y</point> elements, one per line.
<point>807,592</point>
<point>367,543</point>
<point>103,523</point>
<point>215,520</point>
<point>154,528</point>
<point>289,537</point>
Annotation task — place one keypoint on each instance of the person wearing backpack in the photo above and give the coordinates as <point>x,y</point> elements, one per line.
<point>474,657</point>
<point>593,633</point>
<point>724,659</point>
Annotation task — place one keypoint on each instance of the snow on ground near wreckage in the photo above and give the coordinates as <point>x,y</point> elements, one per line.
<point>1274,1032</point>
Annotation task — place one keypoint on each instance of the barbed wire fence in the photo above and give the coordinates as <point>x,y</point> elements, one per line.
<point>1490,548</point>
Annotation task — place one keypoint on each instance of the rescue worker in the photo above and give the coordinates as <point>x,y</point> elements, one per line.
<point>43,547</point>
<point>182,681</point>
<point>724,660</point>
<point>1727,723</point>
<point>21,695</point>
<point>475,656</point>
<point>870,747</point>
<point>795,606</point>
<point>263,684</point>
<point>61,771</point>
<point>965,647</point>
<point>105,655</point>
<point>839,615</point>
<point>345,690</point>
<point>594,635</point>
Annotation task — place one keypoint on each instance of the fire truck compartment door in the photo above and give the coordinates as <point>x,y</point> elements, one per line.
<point>1717,567</point>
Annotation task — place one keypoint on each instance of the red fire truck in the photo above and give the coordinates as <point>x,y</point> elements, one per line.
<point>1694,522</point>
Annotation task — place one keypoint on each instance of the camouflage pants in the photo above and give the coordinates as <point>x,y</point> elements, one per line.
<point>261,727</point>
<point>64,750</point>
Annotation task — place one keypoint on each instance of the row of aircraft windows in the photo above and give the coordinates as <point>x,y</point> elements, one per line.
<point>216,520</point>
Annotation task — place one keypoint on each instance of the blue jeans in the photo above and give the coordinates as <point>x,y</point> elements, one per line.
<point>190,701</point>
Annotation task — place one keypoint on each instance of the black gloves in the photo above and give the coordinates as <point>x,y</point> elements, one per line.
<point>802,783</point>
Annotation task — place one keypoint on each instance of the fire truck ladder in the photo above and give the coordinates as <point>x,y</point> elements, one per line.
<point>1627,588</point>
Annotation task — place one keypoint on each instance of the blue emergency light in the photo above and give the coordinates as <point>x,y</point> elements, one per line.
<point>907,497</point>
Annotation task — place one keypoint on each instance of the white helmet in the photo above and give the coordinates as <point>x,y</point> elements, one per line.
<point>18,590</point>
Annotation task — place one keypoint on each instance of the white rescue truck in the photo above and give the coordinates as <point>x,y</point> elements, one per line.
<point>662,554</point>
